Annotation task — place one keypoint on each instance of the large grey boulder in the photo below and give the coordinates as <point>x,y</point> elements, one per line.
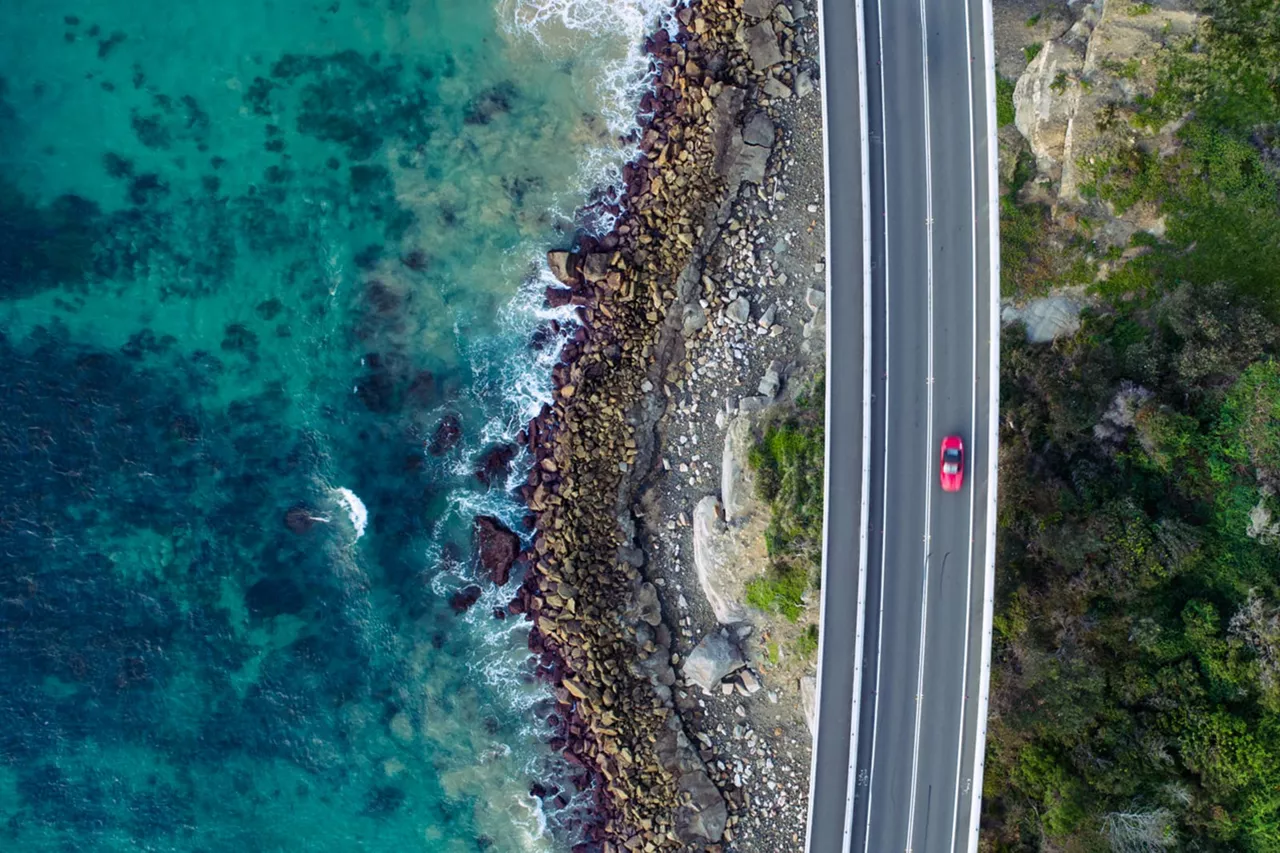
<point>759,129</point>
<point>750,162</point>
<point>711,660</point>
<point>702,815</point>
<point>1047,318</point>
<point>758,8</point>
<point>762,46</point>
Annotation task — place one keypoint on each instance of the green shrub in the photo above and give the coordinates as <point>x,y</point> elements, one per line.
<point>1005,113</point>
<point>780,590</point>
<point>807,643</point>
<point>1032,50</point>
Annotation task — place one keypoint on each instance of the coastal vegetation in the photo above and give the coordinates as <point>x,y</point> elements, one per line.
<point>788,467</point>
<point>1136,677</point>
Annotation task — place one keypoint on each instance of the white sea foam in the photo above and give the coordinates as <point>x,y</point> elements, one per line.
<point>607,36</point>
<point>603,39</point>
<point>354,506</point>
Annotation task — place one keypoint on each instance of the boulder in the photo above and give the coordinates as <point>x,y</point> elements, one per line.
<point>704,816</point>
<point>776,89</point>
<point>739,310</point>
<point>725,557</point>
<point>558,297</point>
<point>762,46</point>
<point>758,8</point>
<point>561,265</point>
<point>759,130</point>
<point>462,599</point>
<point>808,696</point>
<point>596,266</point>
<point>495,463</point>
<point>1066,100</point>
<point>771,382</point>
<point>745,162</point>
<point>1044,108</point>
<point>805,84</point>
<point>711,660</point>
<point>737,483</point>
<point>695,319</point>
<point>1046,319</point>
<point>496,547</point>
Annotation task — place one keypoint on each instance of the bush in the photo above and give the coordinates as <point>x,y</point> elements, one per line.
<point>1005,112</point>
<point>781,590</point>
<point>807,643</point>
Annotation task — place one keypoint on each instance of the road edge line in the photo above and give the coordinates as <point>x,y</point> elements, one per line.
<point>859,644</point>
<point>993,424</point>
<point>866,405</point>
<point>973,415</point>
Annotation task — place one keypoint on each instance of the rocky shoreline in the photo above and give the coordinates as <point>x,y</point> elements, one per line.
<point>602,632</point>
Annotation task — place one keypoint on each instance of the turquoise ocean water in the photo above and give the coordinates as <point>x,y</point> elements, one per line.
<point>253,253</point>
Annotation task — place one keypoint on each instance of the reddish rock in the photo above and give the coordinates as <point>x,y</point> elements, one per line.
<point>558,297</point>
<point>496,546</point>
<point>298,518</point>
<point>461,600</point>
<point>495,463</point>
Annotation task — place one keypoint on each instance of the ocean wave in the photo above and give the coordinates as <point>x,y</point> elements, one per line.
<point>621,72</point>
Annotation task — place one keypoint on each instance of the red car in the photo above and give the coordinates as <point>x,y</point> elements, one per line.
<point>951,472</point>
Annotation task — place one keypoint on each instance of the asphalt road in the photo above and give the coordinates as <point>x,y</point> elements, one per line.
<point>910,782</point>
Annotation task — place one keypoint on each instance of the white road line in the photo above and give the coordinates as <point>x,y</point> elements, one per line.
<point>826,450</point>
<point>866,416</point>
<point>973,426</point>
<point>993,423</point>
<point>928,499</point>
<point>884,468</point>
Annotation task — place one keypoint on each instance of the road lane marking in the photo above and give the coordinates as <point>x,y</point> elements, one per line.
<point>973,426</point>
<point>928,490</point>
<point>884,466</point>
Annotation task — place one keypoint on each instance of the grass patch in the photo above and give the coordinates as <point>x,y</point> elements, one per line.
<point>788,464</point>
<point>1032,50</point>
<point>807,643</point>
<point>781,590</point>
<point>1005,113</point>
<point>1034,19</point>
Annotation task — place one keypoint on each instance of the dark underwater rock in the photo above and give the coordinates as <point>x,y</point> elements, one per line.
<point>299,519</point>
<point>448,433</point>
<point>273,597</point>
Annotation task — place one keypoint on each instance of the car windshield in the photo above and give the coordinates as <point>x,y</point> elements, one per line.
<point>951,455</point>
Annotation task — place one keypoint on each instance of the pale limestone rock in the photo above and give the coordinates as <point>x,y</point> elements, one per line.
<point>808,694</point>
